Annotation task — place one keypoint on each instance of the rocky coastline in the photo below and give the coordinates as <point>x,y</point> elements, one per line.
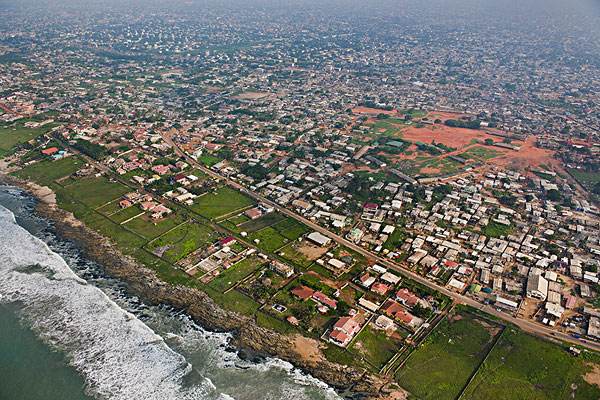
<point>251,340</point>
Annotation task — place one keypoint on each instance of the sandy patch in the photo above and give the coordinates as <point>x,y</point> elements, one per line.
<point>308,349</point>
<point>311,252</point>
<point>593,377</point>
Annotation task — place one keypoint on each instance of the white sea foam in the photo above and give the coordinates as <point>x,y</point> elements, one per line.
<point>118,356</point>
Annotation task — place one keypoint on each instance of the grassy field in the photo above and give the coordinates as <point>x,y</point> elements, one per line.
<point>479,153</point>
<point>95,192</point>
<point>209,160</point>
<point>524,367</point>
<point>260,223</point>
<point>221,202</point>
<point>184,240</point>
<point>45,172</point>
<point>291,229</point>
<point>375,347</point>
<point>586,179</point>
<point>290,253</point>
<point>11,136</point>
<point>150,229</point>
<point>235,273</point>
<point>270,239</point>
<point>442,365</point>
<point>495,230</point>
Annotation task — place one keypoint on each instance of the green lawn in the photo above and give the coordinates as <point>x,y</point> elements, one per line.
<point>95,192</point>
<point>495,230</point>
<point>123,215</point>
<point>209,160</point>
<point>235,273</point>
<point>376,348</point>
<point>150,229</point>
<point>184,240</point>
<point>11,136</point>
<point>441,367</point>
<point>586,179</point>
<point>260,223</point>
<point>524,367</point>
<point>221,202</point>
<point>479,153</point>
<point>45,172</point>
<point>270,239</point>
<point>291,229</point>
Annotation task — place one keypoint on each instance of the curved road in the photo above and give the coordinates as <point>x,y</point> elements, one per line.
<point>526,325</point>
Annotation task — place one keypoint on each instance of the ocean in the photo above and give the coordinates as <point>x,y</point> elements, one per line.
<point>69,332</point>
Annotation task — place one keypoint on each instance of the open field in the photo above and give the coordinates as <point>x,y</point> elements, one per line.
<point>291,229</point>
<point>442,365</point>
<point>375,347</point>
<point>183,240</point>
<point>269,239</point>
<point>221,202</point>
<point>292,254</point>
<point>235,273</point>
<point>150,229</point>
<point>524,367</point>
<point>260,223</point>
<point>586,179</point>
<point>45,172</point>
<point>95,192</point>
<point>11,136</point>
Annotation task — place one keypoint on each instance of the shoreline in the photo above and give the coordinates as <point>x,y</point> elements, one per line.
<point>249,339</point>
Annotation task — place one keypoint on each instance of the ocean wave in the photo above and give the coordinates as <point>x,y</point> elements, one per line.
<point>118,356</point>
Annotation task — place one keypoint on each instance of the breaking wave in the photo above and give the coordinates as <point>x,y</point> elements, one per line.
<point>117,354</point>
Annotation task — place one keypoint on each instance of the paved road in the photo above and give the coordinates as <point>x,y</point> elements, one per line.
<point>526,325</point>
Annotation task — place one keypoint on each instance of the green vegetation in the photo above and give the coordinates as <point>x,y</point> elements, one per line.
<point>524,367</point>
<point>209,160</point>
<point>479,153</point>
<point>96,191</point>
<point>375,347</point>
<point>45,172</point>
<point>395,239</point>
<point>150,229</point>
<point>442,365</point>
<point>291,229</point>
<point>269,239</point>
<point>183,240</point>
<point>13,135</point>
<point>260,223</point>
<point>495,230</point>
<point>235,273</point>
<point>90,149</point>
<point>221,202</point>
<point>456,123</point>
<point>589,180</point>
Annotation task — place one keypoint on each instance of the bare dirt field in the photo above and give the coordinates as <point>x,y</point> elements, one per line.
<point>452,137</point>
<point>251,95</point>
<point>373,111</point>
<point>311,252</point>
<point>528,156</point>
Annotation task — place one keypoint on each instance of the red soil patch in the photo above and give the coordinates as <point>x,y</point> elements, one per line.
<point>449,136</point>
<point>527,156</point>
